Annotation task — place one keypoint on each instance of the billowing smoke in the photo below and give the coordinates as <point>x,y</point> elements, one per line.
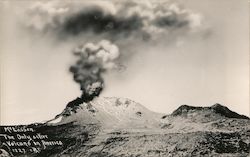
<point>118,21</point>
<point>93,60</point>
<point>112,18</point>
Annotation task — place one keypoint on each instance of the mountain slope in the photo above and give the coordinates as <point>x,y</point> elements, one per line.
<point>120,113</point>
<point>119,127</point>
<point>112,112</point>
<point>129,129</point>
<point>216,108</point>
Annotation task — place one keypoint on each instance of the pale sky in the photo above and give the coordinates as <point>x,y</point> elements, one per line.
<point>199,69</point>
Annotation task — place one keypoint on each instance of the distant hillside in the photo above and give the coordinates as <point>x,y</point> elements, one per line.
<point>217,108</point>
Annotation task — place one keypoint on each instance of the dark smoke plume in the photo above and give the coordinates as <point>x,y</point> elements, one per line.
<point>93,61</point>
<point>98,22</point>
<point>114,20</point>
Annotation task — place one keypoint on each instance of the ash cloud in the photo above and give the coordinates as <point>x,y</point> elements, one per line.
<point>97,22</point>
<point>112,18</point>
<point>93,60</point>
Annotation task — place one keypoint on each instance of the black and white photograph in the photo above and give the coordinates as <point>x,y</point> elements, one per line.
<point>124,78</point>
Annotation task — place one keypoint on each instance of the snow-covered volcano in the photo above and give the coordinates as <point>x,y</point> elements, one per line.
<point>122,113</point>
<point>110,112</point>
<point>124,128</point>
<point>119,127</point>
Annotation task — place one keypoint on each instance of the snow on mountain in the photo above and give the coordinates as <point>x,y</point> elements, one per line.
<point>119,127</point>
<point>112,113</point>
<point>124,128</point>
<point>120,114</point>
